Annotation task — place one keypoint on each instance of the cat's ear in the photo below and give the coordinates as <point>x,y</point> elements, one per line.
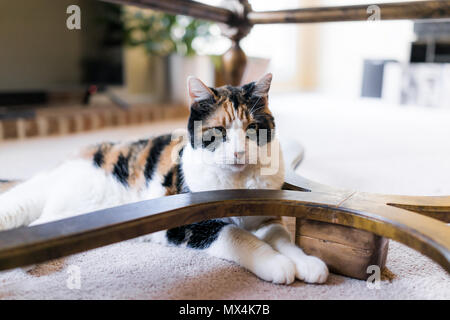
<point>263,85</point>
<point>198,90</point>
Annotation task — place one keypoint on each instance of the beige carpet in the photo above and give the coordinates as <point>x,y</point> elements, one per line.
<point>356,145</point>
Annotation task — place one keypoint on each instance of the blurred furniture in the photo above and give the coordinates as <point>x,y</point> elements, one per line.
<point>321,211</point>
<point>432,44</point>
<point>425,80</point>
<point>373,75</point>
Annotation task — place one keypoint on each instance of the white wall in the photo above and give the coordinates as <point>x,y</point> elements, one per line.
<point>344,46</point>
<point>332,56</point>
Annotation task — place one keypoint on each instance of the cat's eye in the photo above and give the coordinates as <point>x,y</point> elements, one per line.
<point>213,136</point>
<point>220,131</point>
<point>217,132</point>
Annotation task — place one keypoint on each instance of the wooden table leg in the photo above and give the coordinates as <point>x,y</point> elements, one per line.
<point>346,250</point>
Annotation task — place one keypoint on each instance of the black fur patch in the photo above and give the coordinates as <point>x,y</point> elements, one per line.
<point>181,186</point>
<point>256,104</point>
<point>214,91</point>
<point>176,235</point>
<point>234,95</point>
<point>180,153</point>
<point>99,158</point>
<point>120,170</point>
<point>265,121</point>
<point>168,179</point>
<point>248,90</point>
<point>158,146</point>
<point>140,143</point>
<point>200,110</point>
<point>197,235</point>
<point>173,181</point>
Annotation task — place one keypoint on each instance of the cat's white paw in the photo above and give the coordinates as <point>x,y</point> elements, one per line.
<point>310,269</point>
<point>276,268</point>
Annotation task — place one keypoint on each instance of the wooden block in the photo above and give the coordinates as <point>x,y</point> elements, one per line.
<point>345,250</point>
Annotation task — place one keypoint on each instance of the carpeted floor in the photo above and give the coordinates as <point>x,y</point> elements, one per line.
<point>133,270</point>
<point>357,145</point>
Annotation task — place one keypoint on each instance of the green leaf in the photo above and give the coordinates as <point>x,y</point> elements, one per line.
<point>159,38</point>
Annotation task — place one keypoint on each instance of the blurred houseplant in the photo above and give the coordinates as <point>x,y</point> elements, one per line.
<point>170,56</point>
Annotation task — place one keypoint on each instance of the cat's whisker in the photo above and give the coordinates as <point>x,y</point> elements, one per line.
<point>256,103</point>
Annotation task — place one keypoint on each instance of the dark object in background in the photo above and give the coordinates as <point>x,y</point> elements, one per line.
<point>432,44</point>
<point>372,84</point>
<point>16,113</point>
<point>103,71</point>
<point>439,30</point>
<point>15,105</point>
<point>53,65</point>
<point>430,52</point>
<point>23,98</point>
<point>93,89</point>
<point>103,65</point>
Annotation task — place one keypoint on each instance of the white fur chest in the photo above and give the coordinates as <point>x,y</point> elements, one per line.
<point>206,177</point>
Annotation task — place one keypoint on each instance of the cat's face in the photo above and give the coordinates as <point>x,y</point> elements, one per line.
<point>230,126</point>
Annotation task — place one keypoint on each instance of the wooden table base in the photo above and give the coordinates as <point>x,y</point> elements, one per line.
<point>347,251</point>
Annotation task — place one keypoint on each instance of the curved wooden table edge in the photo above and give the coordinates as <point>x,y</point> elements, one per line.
<point>437,207</point>
<point>26,246</point>
<point>379,214</point>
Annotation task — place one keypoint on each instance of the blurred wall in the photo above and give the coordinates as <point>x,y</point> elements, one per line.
<point>344,46</point>
<point>325,57</point>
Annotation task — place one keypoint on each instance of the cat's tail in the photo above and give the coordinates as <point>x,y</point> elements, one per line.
<point>21,203</point>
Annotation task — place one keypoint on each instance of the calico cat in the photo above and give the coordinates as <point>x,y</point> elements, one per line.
<point>225,124</point>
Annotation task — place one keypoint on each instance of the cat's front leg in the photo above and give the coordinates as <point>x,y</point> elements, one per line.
<point>229,242</point>
<point>308,268</point>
